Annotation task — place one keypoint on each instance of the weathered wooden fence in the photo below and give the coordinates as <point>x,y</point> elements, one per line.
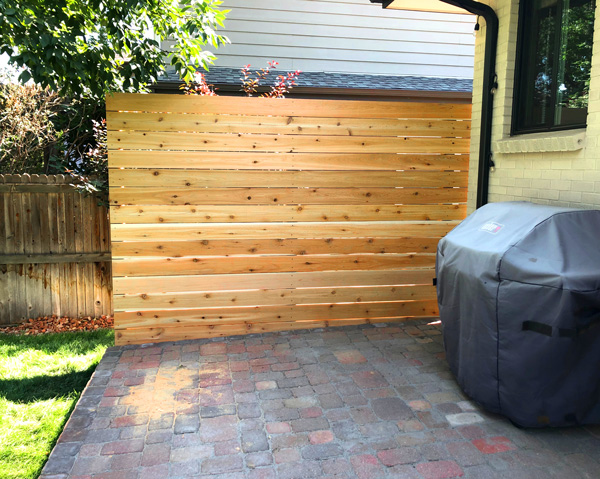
<point>243,215</point>
<point>54,250</point>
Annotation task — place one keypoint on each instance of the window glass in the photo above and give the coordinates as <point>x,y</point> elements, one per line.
<point>555,59</point>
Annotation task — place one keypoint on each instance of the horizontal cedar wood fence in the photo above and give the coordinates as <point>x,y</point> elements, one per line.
<point>54,250</point>
<point>246,215</point>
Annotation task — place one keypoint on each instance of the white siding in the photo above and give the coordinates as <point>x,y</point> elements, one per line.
<point>347,36</point>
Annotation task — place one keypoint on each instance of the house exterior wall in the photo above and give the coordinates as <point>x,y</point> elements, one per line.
<point>559,168</point>
<point>347,36</point>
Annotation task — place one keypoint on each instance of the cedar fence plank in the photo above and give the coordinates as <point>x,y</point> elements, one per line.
<point>267,314</point>
<point>53,221</point>
<point>299,179</point>
<point>5,231</point>
<point>304,196</point>
<point>278,213</point>
<point>106,268</point>
<point>178,333</point>
<point>95,213</point>
<point>267,264</point>
<point>30,287</point>
<point>171,140</point>
<point>73,243</point>
<point>20,285</point>
<point>79,212</point>
<point>45,215</point>
<point>284,107</point>
<point>275,246</point>
<point>213,299</point>
<point>234,282</point>
<point>202,160</point>
<point>208,231</point>
<point>282,125</point>
<point>62,290</point>
<point>36,272</point>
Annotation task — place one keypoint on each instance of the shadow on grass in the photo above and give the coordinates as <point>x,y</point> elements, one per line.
<point>41,388</point>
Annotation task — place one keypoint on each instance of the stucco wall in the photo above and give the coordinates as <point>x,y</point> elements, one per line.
<point>547,168</point>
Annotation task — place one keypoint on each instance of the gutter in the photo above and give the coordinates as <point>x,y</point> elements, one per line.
<point>490,86</point>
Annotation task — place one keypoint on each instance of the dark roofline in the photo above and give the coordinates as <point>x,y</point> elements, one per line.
<point>232,76</point>
<point>334,93</point>
<point>336,85</point>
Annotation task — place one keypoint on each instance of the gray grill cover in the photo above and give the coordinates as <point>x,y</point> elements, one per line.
<point>519,296</point>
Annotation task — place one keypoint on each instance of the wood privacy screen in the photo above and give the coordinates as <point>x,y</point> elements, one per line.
<point>54,250</point>
<point>243,215</point>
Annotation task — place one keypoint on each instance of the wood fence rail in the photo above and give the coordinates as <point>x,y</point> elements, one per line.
<point>54,250</point>
<point>242,215</point>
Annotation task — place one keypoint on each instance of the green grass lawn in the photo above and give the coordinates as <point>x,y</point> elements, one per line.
<point>41,378</point>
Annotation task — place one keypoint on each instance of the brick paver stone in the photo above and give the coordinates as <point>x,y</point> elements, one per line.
<point>91,465</point>
<point>254,441</point>
<point>419,405</point>
<point>311,424</point>
<point>320,437</point>
<point>187,424</point>
<point>494,445</point>
<point>393,457</point>
<point>391,409</point>
<point>321,451</point>
<point>219,465</point>
<point>463,418</point>
<point>366,466</point>
<point>122,447</point>
<point>217,429</point>
<point>265,385</point>
<point>465,453</point>
<point>351,356</point>
<point>286,455</point>
<point>278,427</point>
<point>440,470</point>
<point>369,379</point>
<point>357,402</point>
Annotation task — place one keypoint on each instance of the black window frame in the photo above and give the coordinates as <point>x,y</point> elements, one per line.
<point>518,87</point>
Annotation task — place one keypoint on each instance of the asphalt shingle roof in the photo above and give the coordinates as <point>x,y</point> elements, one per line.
<point>231,76</point>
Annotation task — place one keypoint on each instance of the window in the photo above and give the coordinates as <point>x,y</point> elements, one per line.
<point>553,65</point>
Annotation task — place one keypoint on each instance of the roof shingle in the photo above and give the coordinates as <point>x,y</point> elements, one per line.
<point>232,76</point>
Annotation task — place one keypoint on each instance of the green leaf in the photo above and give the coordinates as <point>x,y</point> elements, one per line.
<point>25,76</point>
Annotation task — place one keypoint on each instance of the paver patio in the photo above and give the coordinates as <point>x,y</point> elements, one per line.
<point>355,402</point>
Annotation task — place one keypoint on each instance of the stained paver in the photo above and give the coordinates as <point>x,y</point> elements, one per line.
<point>355,402</point>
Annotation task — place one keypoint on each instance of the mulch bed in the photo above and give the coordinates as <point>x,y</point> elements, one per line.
<point>55,324</point>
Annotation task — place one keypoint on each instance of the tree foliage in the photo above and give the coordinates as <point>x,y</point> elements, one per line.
<point>576,54</point>
<point>91,47</point>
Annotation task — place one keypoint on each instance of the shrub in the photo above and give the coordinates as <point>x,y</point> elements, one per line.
<point>44,133</point>
<point>250,83</point>
<point>27,129</point>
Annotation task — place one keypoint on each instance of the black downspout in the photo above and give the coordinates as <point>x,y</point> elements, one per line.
<point>489,87</point>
